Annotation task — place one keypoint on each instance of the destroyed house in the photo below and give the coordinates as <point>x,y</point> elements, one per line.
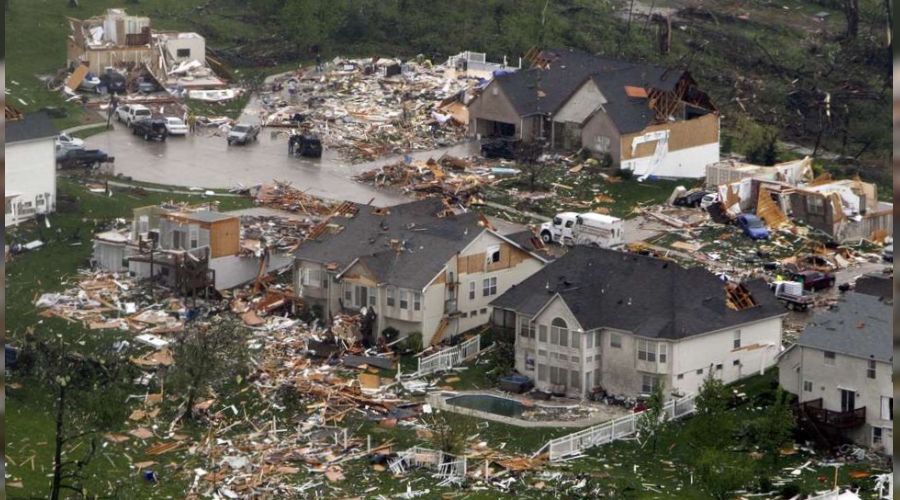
<point>598,318</point>
<point>185,250</point>
<point>846,209</point>
<point>649,119</point>
<point>840,369</point>
<point>416,266</point>
<point>30,186</point>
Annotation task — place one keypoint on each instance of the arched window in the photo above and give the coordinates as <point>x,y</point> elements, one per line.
<point>559,332</point>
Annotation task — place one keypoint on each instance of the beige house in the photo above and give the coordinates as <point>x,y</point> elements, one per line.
<point>416,266</point>
<point>648,119</point>
<point>598,318</point>
<point>841,369</point>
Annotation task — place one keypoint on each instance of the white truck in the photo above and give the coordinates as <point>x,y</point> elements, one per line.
<point>570,228</point>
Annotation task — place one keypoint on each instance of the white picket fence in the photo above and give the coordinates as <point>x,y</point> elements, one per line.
<point>610,431</point>
<point>448,358</point>
<point>445,464</point>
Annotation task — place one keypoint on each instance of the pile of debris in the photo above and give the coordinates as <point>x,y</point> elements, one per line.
<point>282,195</point>
<point>280,234</point>
<point>458,180</point>
<point>108,300</point>
<point>366,108</point>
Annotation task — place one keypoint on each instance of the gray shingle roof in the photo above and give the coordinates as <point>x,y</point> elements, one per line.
<point>539,91</point>
<point>875,284</point>
<point>428,241</point>
<point>858,325</point>
<point>31,126</point>
<point>644,295</point>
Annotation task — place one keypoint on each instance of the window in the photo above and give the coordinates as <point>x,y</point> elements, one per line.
<point>310,277</point>
<point>489,287</point>
<point>471,290</point>
<point>348,296</point>
<point>589,338</point>
<point>563,357</point>
<point>574,359</point>
<point>587,359</point>
<point>829,358</point>
<point>39,200</point>
<point>483,310</point>
<point>646,351</point>
<point>887,408</point>
<point>554,375</point>
<point>465,315</point>
<point>815,205</point>
<point>542,353</point>
<point>736,362</point>
<point>404,299</point>
<point>648,383</point>
<point>663,350</point>
<point>870,372</point>
<point>194,234</point>
<point>361,294</point>
<point>182,53</point>
<point>719,366</point>
<point>700,371</point>
<point>680,376</point>
<point>474,313</point>
<point>390,296</point>
<point>143,224</point>
<point>179,240</point>
<point>598,339</point>
<point>877,436</point>
<point>526,327</point>
<point>529,360</point>
<point>492,255</point>
<point>559,332</point>
<point>372,298</point>
<point>576,380</point>
<point>597,375</point>
<point>542,333</point>
<point>576,340</point>
<point>542,372</point>
<point>615,340</point>
<point>737,339</point>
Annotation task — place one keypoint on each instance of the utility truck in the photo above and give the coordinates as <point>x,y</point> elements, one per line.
<point>570,228</point>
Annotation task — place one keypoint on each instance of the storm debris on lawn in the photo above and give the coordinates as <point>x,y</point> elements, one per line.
<point>366,108</point>
<point>284,196</point>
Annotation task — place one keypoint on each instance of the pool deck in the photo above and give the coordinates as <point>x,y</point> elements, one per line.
<point>602,412</point>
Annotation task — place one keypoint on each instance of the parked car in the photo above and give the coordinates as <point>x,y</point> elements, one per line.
<point>150,129</point>
<point>146,85</point>
<point>752,226</point>
<point>122,112</point>
<point>176,126</point>
<point>710,199</point>
<point>242,133</point>
<point>137,112</point>
<point>83,158</point>
<point>814,280</point>
<point>305,145</point>
<point>90,83</point>
<point>113,81</point>
<point>690,199</point>
<point>888,253</point>
<point>65,143</point>
<point>501,147</point>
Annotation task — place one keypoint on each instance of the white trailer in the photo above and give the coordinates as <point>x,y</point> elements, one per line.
<point>570,228</point>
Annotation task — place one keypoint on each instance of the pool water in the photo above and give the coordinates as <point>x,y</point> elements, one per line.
<point>490,404</point>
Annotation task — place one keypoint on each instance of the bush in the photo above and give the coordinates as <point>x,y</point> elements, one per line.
<point>390,333</point>
<point>789,490</point>
<point>756,142</point>
<point>413,342</point>
<point>624,174</point>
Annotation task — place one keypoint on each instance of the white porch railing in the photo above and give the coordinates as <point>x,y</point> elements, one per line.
<point>445,464</point>
<point>448,358</point>
<point>612,430</point>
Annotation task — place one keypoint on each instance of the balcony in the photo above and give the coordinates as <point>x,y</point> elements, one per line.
<point>834,419</point>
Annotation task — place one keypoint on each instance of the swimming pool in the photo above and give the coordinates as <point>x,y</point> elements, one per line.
<point>490,404</point>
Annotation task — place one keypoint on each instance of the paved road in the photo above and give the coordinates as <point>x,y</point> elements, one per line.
<point>205,160</point>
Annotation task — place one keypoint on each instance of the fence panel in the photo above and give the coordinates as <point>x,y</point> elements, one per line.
<point>448,358</point>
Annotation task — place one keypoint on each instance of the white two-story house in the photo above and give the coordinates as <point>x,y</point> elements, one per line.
<point>840,369</point>
<point>598,318</point>
<point>417,266</point>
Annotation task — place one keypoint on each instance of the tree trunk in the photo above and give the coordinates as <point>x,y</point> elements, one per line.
<point>57,453</point>
<point>852,12</point>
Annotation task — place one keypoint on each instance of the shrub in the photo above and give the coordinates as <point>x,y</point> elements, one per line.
<point>624,174</point>
<point>390,333</point>
<point>413,342</point>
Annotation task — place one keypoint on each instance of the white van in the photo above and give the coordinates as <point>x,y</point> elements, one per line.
<point>570,228</point>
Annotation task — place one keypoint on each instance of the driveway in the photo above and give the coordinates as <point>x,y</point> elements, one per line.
<point>205,160</point>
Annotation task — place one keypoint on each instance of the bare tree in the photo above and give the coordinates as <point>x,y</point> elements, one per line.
<point>527,156</point>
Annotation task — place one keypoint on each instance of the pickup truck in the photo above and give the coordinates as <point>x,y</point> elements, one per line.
<point>242,133</point>
<point>792,295</point>
<point>814,280</point>
<point>66,143</point>
<point>305,145</point>
<point>83,158</point>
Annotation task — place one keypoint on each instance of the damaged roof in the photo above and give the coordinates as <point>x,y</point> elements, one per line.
<point>425,241</point>
<point>644,295</point>
<point>30,127</point>
<point>858,325</point>
<point>544,91</point>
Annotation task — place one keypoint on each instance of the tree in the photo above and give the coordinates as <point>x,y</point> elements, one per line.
<point>88,395</point>
<point>447,434</point>
<point>721,473</point>
<point>652,421</point>
<point>527,155</point>
<point>775,427</point>
<point>711,412</point>
<point>206,355</point>
<point>712,398</point>
<point>757,142</point>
